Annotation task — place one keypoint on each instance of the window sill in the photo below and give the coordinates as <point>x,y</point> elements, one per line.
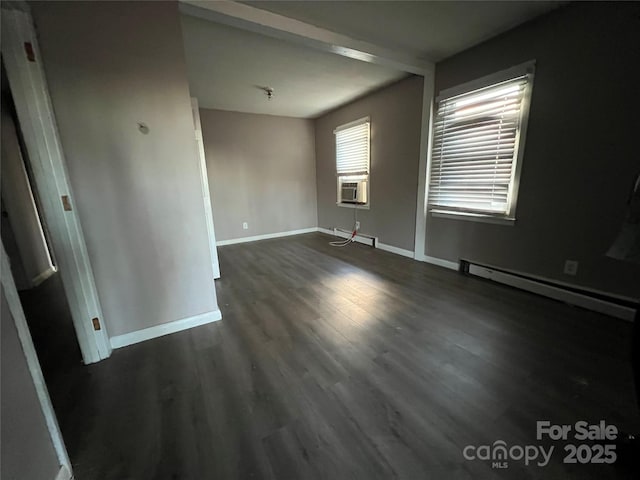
<point>353,205</point>
<point>472,217</point>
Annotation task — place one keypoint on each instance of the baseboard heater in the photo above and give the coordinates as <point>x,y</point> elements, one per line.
<point>619,307</point>
<point>360,238</point>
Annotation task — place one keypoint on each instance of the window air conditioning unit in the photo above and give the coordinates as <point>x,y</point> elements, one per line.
<point>354,192</point>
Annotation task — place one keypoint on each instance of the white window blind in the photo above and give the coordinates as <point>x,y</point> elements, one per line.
<point>475,148</point>
<point>352,148</point>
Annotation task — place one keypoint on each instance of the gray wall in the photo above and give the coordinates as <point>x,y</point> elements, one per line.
<point>20,206</point>
<point>11,247</point>
<point>261,171</point>
<point>110,65</point>
<point>26,450</point>
<point>581,149</point>
<point>396,113</point>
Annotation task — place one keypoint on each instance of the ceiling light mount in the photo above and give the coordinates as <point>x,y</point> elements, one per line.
<point>268,92</point>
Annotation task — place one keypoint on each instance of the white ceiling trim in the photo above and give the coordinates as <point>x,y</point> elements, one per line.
<point>271,24</point>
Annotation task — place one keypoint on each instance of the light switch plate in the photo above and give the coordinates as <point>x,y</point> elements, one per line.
<point>571,267</point>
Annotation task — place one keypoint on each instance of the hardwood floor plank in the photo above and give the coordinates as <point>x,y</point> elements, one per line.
<point>347,363</point>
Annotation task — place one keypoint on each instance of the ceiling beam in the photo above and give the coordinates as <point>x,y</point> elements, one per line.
<point>273,25</point>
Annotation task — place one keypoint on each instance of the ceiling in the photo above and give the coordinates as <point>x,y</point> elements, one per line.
<point>432,30</point>
<point>227,65</point>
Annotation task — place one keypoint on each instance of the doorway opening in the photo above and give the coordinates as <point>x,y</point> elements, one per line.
<point>28,245</point>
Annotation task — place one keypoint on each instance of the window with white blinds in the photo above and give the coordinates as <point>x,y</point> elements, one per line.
<point>476,140</point>
<point>352,148</point>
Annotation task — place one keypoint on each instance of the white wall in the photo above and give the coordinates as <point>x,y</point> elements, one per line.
<point>109,66</point>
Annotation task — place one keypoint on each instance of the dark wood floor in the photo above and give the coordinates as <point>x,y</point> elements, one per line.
<point>347,363</point>
<point>49,319</point>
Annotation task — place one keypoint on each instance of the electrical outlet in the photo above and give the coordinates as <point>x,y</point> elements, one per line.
<point>571,267</point>
<point>357,225</point>
<point>245,226</point>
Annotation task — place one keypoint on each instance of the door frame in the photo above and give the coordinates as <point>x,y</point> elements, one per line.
<point>15,307</point>
<point>204,178</point>
<point>33,278</point>
<point>25,72</point>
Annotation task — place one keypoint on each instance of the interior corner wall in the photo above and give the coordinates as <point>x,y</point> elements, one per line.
<point>581,151</point>
<point>110,66</point>
<point>261,171</point>
<point>396,119</point>
<point>26,450</point>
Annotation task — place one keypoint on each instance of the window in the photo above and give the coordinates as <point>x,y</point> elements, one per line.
<point>352,163</point>
<point>478,141</point>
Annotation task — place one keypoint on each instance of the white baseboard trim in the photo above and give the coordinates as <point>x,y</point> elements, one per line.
<point>63,474</point>
<point>396,250</point>
<point>337,233</point>
<point>266,236</point>
<point>560,283</point>
<point>165,329</point>
<point>358,238</point>
<point>557,293</point>
<point>41,277</point>
<point>440,262</point>
<point>368,241</point>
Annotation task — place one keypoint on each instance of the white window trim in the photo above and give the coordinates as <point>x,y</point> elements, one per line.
<point>472,216</point>
<point>367,205</point>
<point>526,68</point>
<point>355,205</point>
<point>354,123</point>
<point>488,80</point>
